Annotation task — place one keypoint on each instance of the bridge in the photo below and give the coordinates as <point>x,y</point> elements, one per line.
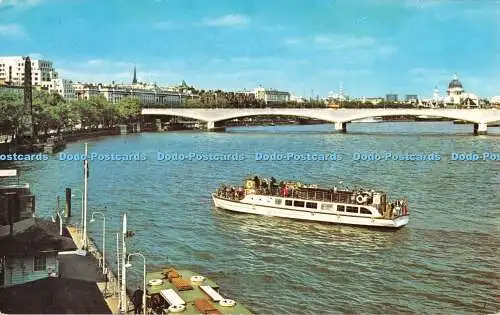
<point>340,117</point>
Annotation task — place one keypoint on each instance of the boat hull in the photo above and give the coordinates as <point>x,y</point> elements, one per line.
<point>307,214</point>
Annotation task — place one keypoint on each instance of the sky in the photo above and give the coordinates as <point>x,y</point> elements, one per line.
<point>307,47</point>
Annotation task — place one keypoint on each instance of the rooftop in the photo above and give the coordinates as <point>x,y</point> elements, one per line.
<point>53,296</point>
<point>42,236</point>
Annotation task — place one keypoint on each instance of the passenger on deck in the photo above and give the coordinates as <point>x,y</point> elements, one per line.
<point>137,301</point>
<point>257,182</point>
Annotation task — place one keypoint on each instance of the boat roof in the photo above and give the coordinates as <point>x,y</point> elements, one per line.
<point>189,296</point>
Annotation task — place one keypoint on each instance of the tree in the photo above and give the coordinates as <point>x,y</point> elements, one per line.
<point>127,109</point>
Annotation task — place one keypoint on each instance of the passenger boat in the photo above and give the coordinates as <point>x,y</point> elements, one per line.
<point>295,200</point>
<point>176,291</point>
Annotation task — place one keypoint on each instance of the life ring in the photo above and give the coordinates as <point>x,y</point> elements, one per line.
<point>155,282</point>
<point>360,199</point>
<point>197,278</point>
<point>176,308</point>
<point>227,302</point>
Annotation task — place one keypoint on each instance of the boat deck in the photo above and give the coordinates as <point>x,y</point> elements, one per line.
<point>190,296</point>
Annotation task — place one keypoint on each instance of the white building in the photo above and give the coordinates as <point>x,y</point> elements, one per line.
<point>12,71</point>
<point>64,88</point>
<point>145,93</point>
<point>271,95</point>
<point>298,99</point>
<point>455,96</point>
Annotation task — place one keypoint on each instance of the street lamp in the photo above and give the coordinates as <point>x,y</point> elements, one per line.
<point>103,238</point>
<point>128,265</point>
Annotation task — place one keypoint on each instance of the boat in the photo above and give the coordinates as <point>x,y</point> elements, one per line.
<point>295,200</point>
<point>175,291</point>
<point>368,120</point>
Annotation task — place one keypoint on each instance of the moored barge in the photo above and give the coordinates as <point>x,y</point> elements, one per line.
<point>295,200</point>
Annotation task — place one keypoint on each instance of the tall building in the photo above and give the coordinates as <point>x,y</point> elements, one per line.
<point>134,80</point>
<point>12,71</point>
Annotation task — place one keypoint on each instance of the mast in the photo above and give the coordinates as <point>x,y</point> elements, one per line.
<point>85,195</point>
<point>123,293</point>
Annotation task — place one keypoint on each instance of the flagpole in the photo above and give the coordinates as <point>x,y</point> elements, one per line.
<point>123,293</point>
<point>85,188</point>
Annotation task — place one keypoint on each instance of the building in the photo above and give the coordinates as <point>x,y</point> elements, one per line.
<point>391,98</point>
<point>454,91</point>
<point>271,95</point>
<point>64,88</point>
<point>28,246</point>
<point>12,71</point>
<point>411,99</point>
<point>495,101</point>
<point>372,100</point>
<point>456,95</point>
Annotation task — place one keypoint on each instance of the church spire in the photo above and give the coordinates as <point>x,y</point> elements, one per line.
<point>134,80</point>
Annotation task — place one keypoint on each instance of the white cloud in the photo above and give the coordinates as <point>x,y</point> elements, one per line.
<point>12,30</point>
<point>230,20</point>
<point>337,42</point>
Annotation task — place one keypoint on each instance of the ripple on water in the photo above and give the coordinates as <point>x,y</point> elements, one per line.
<point>446,260</point>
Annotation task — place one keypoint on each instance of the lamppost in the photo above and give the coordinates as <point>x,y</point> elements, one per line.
<point>128,265</point>
<point>81,221</point>
<point>92,219</point>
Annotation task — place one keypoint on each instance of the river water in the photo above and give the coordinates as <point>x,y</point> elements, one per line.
<point>445,261</point>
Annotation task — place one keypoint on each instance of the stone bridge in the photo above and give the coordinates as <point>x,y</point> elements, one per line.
<point>340,117</point>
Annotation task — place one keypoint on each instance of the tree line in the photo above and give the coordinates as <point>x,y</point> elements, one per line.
<point>51,112</point>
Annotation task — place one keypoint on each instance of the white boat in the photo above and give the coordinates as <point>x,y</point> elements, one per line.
<point>309,202</point>
<point>368,120</point>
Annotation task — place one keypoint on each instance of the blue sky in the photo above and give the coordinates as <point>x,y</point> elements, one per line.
<point>309,46</point>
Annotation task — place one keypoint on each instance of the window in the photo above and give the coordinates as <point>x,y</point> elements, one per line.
<point>298,203</point>
<point>277,201</point>
<point>351,209</point>
<point>40,263</point>
<point>340,208</point>
<point>288,202</point>
<point>312,205</point>
<point>326,206</point>
<point>364,211</point>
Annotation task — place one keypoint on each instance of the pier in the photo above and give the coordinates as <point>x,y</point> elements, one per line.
<point>110,291</point>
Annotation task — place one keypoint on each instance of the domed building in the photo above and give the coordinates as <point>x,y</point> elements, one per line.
<point>457,96</point>
<point>455,90</point>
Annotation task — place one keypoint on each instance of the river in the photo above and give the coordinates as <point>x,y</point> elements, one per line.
<point>445,261</point>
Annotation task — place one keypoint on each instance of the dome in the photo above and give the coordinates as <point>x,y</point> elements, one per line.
<point>455,83</point>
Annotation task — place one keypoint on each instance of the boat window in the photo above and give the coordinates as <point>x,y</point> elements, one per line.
<point>364,211</point>
<point>351,209</point>
<point>288,202</point>
<point>326,206</point>
<point>297,203</point>
<point>277,201</point>
<point>312,205</point>
<point>340,208</point>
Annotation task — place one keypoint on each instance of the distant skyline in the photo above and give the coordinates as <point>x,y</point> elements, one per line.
<point>374,47</point>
